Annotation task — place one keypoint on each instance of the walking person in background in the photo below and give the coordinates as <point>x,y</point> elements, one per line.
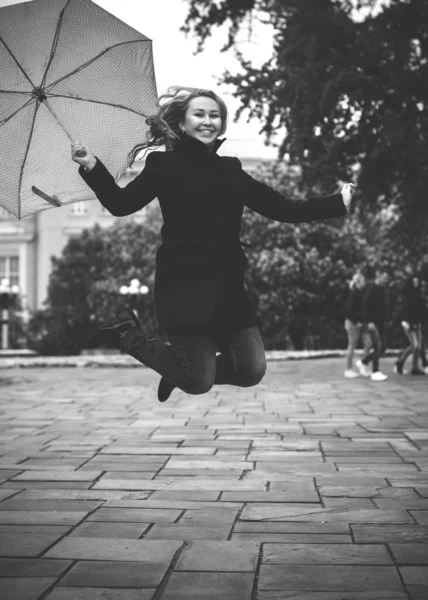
<point>413,320</point>
<point>354,320</point>
<point>374,311</point>
<point>200,297</point>
<point>424,358</point>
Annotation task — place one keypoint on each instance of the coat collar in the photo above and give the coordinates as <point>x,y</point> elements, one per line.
<point>191,145</point>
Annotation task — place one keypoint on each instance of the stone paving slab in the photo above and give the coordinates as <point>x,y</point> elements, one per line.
<point>116,574</point>
<point>209,586</point>
<point>353,578</point>
<point>30,588</point>
<point>90,593</point>
<point>33,517</point>
<point>19,567</point>
<point>322,554</point>
<point>345,595</point>
<point>308,486</point>
<point>122,550</point>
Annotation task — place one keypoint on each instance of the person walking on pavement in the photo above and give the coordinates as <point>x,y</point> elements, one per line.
<point>424,357</point>
<point>374,311</point>
<point>413,319</point>
<point>353,320</point>
<point>200,297</point>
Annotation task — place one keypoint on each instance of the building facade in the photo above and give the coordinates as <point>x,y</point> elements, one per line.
<point>27,245</point>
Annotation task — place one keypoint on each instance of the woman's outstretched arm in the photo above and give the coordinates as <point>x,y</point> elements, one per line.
<point>271,204</point>
<point>119,201</point>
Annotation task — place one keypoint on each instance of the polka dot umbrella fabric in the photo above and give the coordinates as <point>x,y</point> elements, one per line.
<point>69,70</point>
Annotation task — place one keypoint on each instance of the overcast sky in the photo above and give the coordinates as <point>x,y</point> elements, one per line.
<point>176,63</point>
<point>174,53</point>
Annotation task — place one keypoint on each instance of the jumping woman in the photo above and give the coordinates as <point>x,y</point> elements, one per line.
<point>200,298</point>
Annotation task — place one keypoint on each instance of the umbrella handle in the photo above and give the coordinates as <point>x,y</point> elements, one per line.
<point>81,153</point>
<point>51,199</point>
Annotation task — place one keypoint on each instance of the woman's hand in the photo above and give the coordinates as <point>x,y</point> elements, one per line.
<point>83,156</point>
<point>347,192</point>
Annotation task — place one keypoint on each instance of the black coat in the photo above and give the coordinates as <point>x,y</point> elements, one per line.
<point>200,265</point>
<point>375,304</point>
<point>414,307</point>
<point>354,306</point>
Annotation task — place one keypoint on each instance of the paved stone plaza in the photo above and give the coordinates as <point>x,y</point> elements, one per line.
<point>309,487</point>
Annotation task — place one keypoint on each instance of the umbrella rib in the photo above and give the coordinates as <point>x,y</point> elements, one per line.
<point>15,92</point>
<point>93,59</point>
<point>98,102</point>
<point>54,43</point>
<point>17,62</point>
<point>21,174</point>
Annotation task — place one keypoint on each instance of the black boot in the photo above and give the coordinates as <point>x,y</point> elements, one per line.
<point>164,390</point>
<point>110,335</point>
<point>417,371</point>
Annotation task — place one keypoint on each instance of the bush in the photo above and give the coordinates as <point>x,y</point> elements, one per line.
<point>83,291</point>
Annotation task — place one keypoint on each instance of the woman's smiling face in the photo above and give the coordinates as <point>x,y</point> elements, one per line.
<point>202,120</point>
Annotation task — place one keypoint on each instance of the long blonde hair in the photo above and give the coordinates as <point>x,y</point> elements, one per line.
<point>358,276</point>
<point>164,127</point>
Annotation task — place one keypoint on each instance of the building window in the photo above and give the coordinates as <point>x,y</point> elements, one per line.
<point>9,269</point>
<point>79,209</point>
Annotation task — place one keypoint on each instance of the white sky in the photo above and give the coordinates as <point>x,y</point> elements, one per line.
<point>176,63</point>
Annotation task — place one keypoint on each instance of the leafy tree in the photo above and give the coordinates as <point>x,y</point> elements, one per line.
<point>345,89</point>
<point>298,274</point>
<point>84,284</point>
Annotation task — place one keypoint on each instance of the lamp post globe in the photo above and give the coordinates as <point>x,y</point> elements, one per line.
<point>134,292</point>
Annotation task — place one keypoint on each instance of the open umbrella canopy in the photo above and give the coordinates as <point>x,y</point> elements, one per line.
<point>69,70</point>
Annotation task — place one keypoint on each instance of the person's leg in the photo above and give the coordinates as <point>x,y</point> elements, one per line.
<point>362,363</point>
<point>415,349</point>
<point>242,359</point>
<point>423,353</point>
<point>353,333</point>
<point>377,349</point>
<point>376,374</point>
<point>188,361</point>
<point>374,355</point>
<point>417,336</point>
<point>370,347</point>
<point>367,343</point>
<point>241,362</point>
<point>399,363</point>
<point>382,338</point>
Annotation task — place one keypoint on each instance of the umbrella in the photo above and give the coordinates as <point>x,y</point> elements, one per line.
<point>69,70</point>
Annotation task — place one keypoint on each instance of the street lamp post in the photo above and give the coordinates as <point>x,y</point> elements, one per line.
<point>134,291</point>
<point>8,295</point>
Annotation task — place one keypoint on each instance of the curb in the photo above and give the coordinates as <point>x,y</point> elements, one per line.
<point>124,361</point>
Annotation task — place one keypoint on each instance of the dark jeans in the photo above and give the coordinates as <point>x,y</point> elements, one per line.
<point>415,348</point>
<point>189,359</point>
<point>374,346</point>
<point>424,357</point>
